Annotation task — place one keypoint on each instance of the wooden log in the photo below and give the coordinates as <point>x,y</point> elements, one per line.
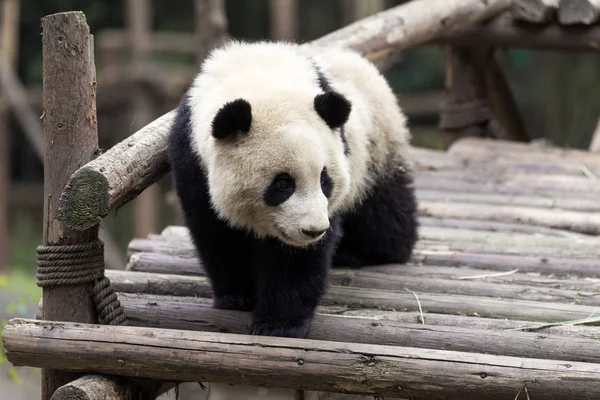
<point>579,12</point>
<point>483,148</point>
<point>410,24</point>
<point>100,387</point>
<point>157,264</point>
<point>210,26</point>
<point>588,223</point>
<point>71,141</point>
<point>132,165</point>
<point>585,267</point>
<point>537,11</point>
<point>519,200</point>
<point>203,317</point>
<point>183,247</point>
<point>401,298</point>
<point>174,285</point>
<point>139,25</point>
<point>171,312</point>
<point>465,110</point>
<point>502,102</point>
<point>293,363</point>
<point>504,31</point>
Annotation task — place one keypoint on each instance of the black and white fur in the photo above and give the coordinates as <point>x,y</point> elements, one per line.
<point>287,162</point>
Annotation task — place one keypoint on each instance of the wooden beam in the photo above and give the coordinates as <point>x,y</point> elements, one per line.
<point>139,25</point>
<point>194,314</point>
<point>100,387</point>
<point>124,171</point>
<point>71,141</point>
<point>505,32</point>
<point>584,12</point>
<point>537,11</point>
<point>351,368</point>
<point>283,19</point>
<point>210,26</point>
<point>465,109</point>
<point>18,100</point>
<point>9,46</point>
<point>502,102</point>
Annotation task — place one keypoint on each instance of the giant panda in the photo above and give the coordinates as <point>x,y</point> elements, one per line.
<point>287,161</point>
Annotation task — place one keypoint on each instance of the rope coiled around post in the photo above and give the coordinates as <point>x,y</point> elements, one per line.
<point>66,265</point>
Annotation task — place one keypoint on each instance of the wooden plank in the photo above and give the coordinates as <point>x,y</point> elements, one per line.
<point>547,261</point>
<point>292,363</point>
<point>100,387</point>
<point>579,12</point>
<point>182,313</point>
<point>124,171</point>
<point>482,148</point>
<point>69,81</point>
<point>537,11</point>
<point>506,32</point>
<point>159,264</point>
<point>174,285</point>
<point>160,312</point>
<point>588,223</point>
<point>401,298</point>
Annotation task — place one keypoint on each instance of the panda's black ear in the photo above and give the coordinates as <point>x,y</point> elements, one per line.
<point>235,116</point>
<point>333,108</point>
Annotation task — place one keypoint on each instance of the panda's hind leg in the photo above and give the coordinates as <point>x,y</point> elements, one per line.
<point>384,229</point>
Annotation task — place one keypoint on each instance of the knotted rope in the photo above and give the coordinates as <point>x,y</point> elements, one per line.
<point>65,265</point>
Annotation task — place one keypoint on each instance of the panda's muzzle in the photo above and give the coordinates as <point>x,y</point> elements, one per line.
<point>313,234</point>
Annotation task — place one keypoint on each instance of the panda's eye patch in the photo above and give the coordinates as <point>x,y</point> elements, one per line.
<point>281,188</point>
<point>326,183</point>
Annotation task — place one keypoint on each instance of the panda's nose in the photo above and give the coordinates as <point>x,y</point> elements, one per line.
<point>313,234</point>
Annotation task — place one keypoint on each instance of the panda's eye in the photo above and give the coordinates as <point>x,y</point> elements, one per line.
<point>280,189</point>
<point>284,185</point>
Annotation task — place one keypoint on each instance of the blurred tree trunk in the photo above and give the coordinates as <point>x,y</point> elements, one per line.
<point>139,25</point>
<point>9,38</point>
<point>211,26</point>
<point>353,10</point>
<point>284,19</point>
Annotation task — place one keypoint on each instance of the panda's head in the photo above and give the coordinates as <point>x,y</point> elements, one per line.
<point>277,165</point>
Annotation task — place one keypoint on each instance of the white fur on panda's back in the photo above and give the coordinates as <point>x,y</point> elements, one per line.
<point>376,131</point>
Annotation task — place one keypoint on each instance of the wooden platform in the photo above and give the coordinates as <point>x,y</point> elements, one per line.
<point>508,244</point>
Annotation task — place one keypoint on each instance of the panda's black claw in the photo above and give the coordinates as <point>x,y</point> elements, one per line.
<point>234,302</point>
<point>282,329</point>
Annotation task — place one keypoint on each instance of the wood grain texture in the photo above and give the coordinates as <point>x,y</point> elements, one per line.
<point>356,368</point>
<point>98,387</point>
<point>70,141</point>
<point>584,12</point>
<point>372,278</point>
<point>537,11</point>
<point>459,297</point>
<point>506,32</point>
<point>163,312</point>
<point>124,171</point>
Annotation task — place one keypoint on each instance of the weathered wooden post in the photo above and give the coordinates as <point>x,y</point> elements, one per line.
<point>70,141</point>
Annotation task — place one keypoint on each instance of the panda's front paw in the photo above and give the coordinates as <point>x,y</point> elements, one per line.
<point>282,329</point>
<point>234,302</point>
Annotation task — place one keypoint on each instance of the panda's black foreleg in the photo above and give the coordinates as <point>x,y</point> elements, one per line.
<point>384,229</point>
<point>290,282</point>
